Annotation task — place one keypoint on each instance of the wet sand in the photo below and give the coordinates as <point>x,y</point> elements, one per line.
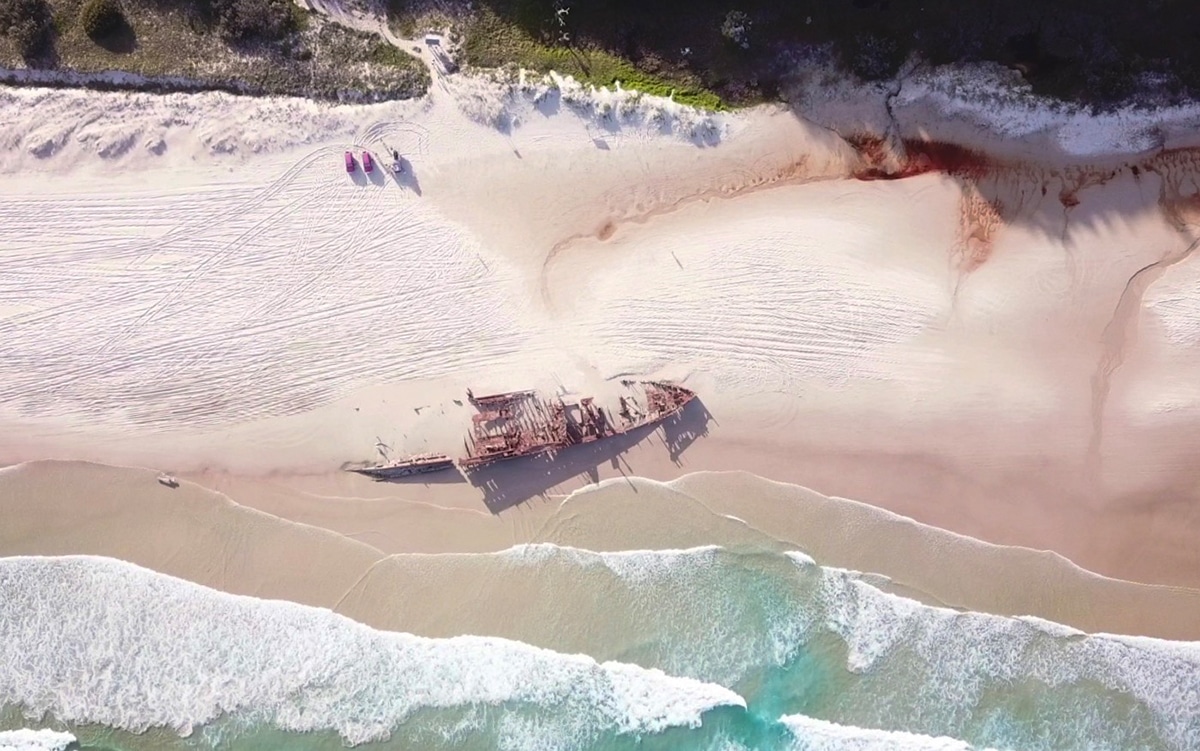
<point>376,567</point>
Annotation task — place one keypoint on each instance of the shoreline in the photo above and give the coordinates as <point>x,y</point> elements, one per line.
<point>327,547</point>
<point>1020,516</point>
<point>965,349</point>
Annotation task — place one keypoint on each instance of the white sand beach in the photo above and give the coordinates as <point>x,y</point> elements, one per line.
<point>195,284</point>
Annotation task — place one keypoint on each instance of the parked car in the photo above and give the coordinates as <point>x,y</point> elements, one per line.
<point>368,165</point>
<point>349,161</point>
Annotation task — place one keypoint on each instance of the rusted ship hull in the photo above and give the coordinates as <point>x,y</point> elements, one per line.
<point>664,400</point>
<point>526,426</point>
<point>494,401</point>
<point>406,468</point>
<point>471,463</point>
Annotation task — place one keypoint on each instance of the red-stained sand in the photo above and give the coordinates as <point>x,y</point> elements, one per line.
<point>981,215</point>
<point>918,158</point>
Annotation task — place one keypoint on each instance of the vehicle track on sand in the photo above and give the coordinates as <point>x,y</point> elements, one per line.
<point>129,282</point>
<point>412,138</point>
<point>139,252</point>
<point>304,277</point>
<point>259,198</point>
<point>56,219</point>
<point>361,285</point>
<point>300,276</point>
<point>840,319</point>
<point>221,251</point>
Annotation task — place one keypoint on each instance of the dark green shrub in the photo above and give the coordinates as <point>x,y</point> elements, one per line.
<point>873,56</point>
<point>27,23</point>
<point>245,20</point>
<point>101,18</point>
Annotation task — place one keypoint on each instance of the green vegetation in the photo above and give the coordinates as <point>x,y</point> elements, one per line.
<point>101,19</point>
<point>708,53</point>
<point>247,46</point>
<point>411,18</point>
<point>1093,51</point>
<point>384,53</point>
<point>25,24</point>
<point>243,20</point>
<point>492,42</point>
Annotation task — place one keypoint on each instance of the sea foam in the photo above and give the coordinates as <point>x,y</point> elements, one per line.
<point>93,640</point>
<point>106,642</point>
<point>944,666</point>
<point>632,566</point>
<point>723,616</point>
<point>809,734</point>
<point>34,740</point>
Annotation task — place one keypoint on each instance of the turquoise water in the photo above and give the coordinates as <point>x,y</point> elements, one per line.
<point>699,649</point>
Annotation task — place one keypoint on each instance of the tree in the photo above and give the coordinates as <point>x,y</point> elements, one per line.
<point>736,28</point>
<point>244,20</point>
<point>102,18</point>
<point>26,22</point>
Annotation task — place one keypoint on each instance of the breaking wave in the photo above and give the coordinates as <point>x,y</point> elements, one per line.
<point>717,649</point>
<point>795,638</point>
<point>25,739</point>
<point>809,734</point>
<point>97,641</point>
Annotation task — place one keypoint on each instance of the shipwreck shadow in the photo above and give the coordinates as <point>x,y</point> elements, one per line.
<point>507,484</point>
<point>682,431</point>
<point>445,477</point>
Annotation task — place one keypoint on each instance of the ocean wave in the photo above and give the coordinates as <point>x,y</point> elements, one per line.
<point>25,739</point>
<point>809,734</point>
<point>1017,682</point>
<point>795,637</point>
<point>93,640</point>
<point>632,566</point>
<point>703,612</point>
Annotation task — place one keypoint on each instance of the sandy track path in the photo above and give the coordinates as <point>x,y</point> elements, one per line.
<point>200,316</point>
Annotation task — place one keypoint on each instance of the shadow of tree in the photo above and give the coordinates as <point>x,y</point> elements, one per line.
<point>28,26</point>
<point>45,55</point>
<point>122,40</point>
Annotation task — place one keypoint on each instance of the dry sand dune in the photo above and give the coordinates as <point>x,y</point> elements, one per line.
<point>999,347</point>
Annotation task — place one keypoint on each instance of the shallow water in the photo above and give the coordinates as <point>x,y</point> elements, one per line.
<point>700,649</point>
